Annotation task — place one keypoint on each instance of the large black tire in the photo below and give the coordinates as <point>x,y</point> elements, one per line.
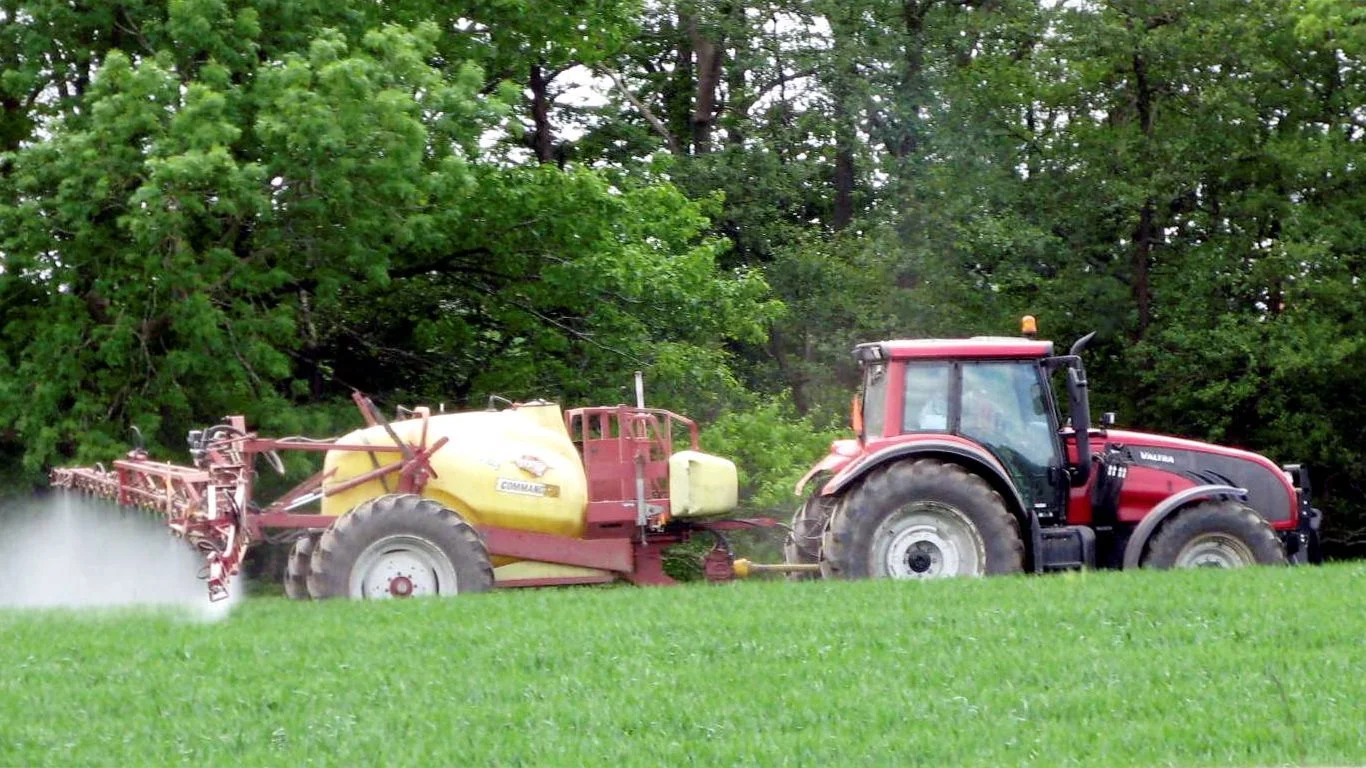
<point>862,540</point>
<point>300,563</point>
<point>458,558</point>
<point>1220,534</point>
<point>803,542</point>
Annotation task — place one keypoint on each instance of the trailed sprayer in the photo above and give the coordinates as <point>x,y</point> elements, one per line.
<point>525,495</point>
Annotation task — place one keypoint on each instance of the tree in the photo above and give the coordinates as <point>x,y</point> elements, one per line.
<point>241,215</point>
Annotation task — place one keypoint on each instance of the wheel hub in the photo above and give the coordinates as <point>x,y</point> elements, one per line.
<point>402,566</point>
<point>923,556</point>
<point>400,586</point>
<point>928,540</point>
<point>1214,550</point>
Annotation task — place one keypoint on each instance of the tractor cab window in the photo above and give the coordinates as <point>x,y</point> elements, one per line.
<point>1006,409</point>
<point>874,400</point>
<point>926,398</point>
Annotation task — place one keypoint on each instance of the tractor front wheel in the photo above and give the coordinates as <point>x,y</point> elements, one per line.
<point>399,545</point>
<point>1215,534</point>
<point>920,520</point>
<point>803,543</point>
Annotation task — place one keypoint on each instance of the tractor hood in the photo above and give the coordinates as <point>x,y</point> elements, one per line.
<point>1269,490</point>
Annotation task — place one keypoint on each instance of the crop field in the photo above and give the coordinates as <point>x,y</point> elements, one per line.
<point>1250,668</point>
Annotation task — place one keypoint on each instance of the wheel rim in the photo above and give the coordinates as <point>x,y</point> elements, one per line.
<point>1214,550</point>
<point>402,566</point>
<point>928,540</point>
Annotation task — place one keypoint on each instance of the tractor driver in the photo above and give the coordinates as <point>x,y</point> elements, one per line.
<point>926,396</point>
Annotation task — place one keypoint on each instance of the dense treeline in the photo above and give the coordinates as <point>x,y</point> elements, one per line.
<point>213,206</point>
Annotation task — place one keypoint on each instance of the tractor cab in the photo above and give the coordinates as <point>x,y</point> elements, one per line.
<point>992,392</point>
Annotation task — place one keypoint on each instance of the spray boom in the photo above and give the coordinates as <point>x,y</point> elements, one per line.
<point>209,504</point>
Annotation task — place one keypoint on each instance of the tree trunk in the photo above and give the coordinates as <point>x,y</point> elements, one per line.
<point>1275,301</point>
<point>15,125</point>
<point>844,178</point>
<point>795,379</point>
<point>1145,234</point>
<point>846,133</point>
<point>907,139</point>
<point>738,96</point>
<point>542,138</point>
<point>707,56</point>
<point>1145,237</point>
<point>678,97</point>
<point>316,385</point>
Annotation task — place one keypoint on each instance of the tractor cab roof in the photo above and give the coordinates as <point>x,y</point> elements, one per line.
<point>976,348</point>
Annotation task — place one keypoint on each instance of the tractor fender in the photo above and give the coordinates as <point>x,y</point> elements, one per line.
<point>974,458</point>
<point>842,453</point>
<point>1138,540</point>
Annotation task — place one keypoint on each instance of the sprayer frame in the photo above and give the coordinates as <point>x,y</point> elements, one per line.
<point>625,458</point>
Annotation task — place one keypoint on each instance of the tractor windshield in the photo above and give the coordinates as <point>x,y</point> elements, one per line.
<point>874,400</point>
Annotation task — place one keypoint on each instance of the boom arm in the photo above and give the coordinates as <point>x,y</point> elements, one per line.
<point>209,504</point>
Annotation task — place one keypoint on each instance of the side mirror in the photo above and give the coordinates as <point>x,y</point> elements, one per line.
<point>1081,424</point>
<point>1107,419</point>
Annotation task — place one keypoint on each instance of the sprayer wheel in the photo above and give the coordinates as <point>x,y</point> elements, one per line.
<point>300,563</point>
<point>399,545</point>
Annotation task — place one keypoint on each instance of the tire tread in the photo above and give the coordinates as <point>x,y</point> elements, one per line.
<point>299,565</point>
<point>1225,516</point>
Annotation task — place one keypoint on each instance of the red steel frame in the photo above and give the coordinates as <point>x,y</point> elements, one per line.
<point>626,460</point>
<point>625,453</point>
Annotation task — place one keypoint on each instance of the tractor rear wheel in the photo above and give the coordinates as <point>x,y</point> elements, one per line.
<point>400,545</point>
<point>1215,534</point>
<point>300,562</point>
<point>803,543</point>
<point>920,520</point>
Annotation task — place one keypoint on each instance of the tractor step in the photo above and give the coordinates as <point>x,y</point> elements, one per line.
<point>1068,548</point>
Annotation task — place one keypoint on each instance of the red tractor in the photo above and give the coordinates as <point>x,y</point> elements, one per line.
<point>965,465</point>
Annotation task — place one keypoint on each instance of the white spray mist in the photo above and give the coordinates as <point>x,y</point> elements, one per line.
<point>69,551</point>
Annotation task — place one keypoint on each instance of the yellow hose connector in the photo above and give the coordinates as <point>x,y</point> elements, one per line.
<point>743,568</point>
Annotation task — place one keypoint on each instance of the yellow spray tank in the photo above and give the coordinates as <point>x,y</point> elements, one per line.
<point>515,468</point>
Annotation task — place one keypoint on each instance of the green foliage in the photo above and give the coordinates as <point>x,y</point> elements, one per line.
<point>1172,668</point>
<point>772,447</point>
<point>251,212</point>
<point>1342,21</point>
<point>169,233</point>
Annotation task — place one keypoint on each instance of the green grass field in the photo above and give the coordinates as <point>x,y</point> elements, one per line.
<point>1252,668</point>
